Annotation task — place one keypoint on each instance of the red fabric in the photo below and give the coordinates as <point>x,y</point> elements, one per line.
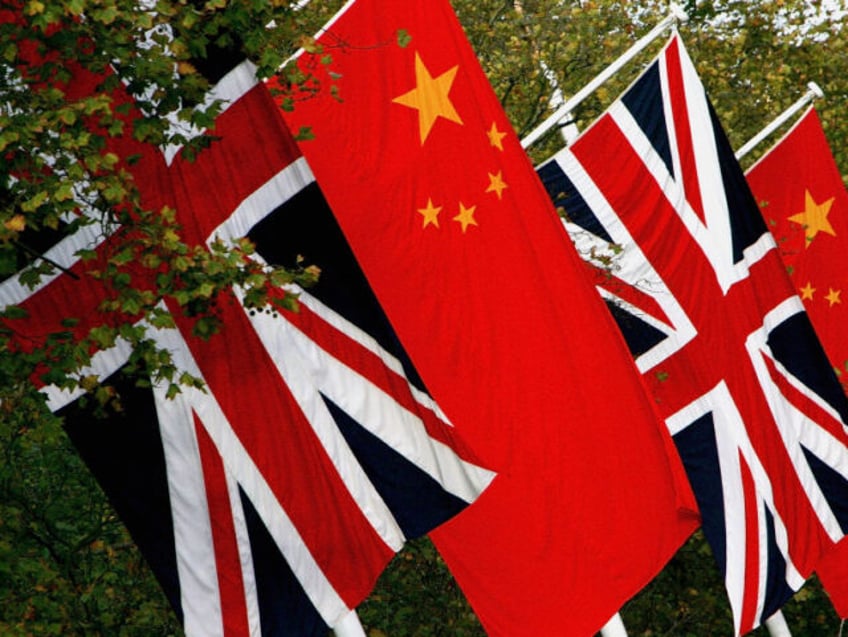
<point>497,314</point>
<point>796,178</point>
<point>802,163</point>
<point>230,578</point>
<point>832,571</point>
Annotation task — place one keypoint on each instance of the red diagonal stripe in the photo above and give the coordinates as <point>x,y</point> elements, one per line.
<point>804,403</point>
<point>370,365</point>
<point>627,292</point>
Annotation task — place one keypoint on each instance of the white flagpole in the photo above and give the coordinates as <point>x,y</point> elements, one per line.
<point>349,626</point>
<point>676,15</point>
<point>812,93</point>
<point>614,627</point>
<point>569,131</point>
<point>777,626</point>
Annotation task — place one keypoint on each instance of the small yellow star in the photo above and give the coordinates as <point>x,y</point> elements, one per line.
<point>496,137</point>
<point>430,97</point>
<point>466,216</point>
<point>814,218</point>
<point>833,296</point>
<point>496,184</point>
<point>430,213</point>
<point>807,291</point>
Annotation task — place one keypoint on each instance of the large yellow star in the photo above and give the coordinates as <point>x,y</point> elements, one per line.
<point>833,296</point>
<point>807,291</point>
<point>496,184</point>
<point>466,216</point>
<point>430,214</point>
<point>430,97</point>
<point>814,218</point>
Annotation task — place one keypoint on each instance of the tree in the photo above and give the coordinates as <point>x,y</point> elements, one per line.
<point>754,58</point>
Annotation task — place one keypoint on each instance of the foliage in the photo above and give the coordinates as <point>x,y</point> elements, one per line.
<point>68,162</point>
<point>66,564</point>
<point>688,600</point>
<point>417,596</point>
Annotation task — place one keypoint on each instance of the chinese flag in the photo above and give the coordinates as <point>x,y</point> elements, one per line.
<point>804,201</point>
<point>464,250</point>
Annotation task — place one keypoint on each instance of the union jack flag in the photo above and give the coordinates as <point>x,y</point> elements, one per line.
<point>655,200</point>
<point>269,503</point>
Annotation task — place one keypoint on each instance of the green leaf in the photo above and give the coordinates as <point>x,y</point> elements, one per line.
<point>34,7</point>
<point>75,7</point>
<point>304,134</point>
<point>35,201</point>
<point>14,312</point>
<point>403,38</point>
<point>103,336</point>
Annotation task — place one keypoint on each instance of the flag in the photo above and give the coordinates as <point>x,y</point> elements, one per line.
<point>465,252</point>
<point>654,195</point>
<point>802,197</point>
<point>269,502</point>
<point>804,202</point>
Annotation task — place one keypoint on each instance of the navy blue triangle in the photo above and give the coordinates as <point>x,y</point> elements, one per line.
<point>284,608</point>
<point>416,500</point>
<point>565,196</point>
<point>645,103</point>
<point>124,452</point>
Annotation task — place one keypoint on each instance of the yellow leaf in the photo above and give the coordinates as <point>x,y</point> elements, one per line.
<point>186,68</point>
<point>16,224</point>
<point>34,7</point>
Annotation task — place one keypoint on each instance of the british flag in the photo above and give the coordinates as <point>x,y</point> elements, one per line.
<point>269,502</point>
<point>656,202</point>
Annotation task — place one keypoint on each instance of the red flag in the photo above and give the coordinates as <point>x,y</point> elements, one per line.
<point>465,252</point>
<point>803,199</point>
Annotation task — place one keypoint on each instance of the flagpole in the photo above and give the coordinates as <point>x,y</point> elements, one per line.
<point>777,626</point>
<point>349,626</point>
<point>570,130</point>
<point>812,93</point>
<point>614,627</point>
<point>676,15</point>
